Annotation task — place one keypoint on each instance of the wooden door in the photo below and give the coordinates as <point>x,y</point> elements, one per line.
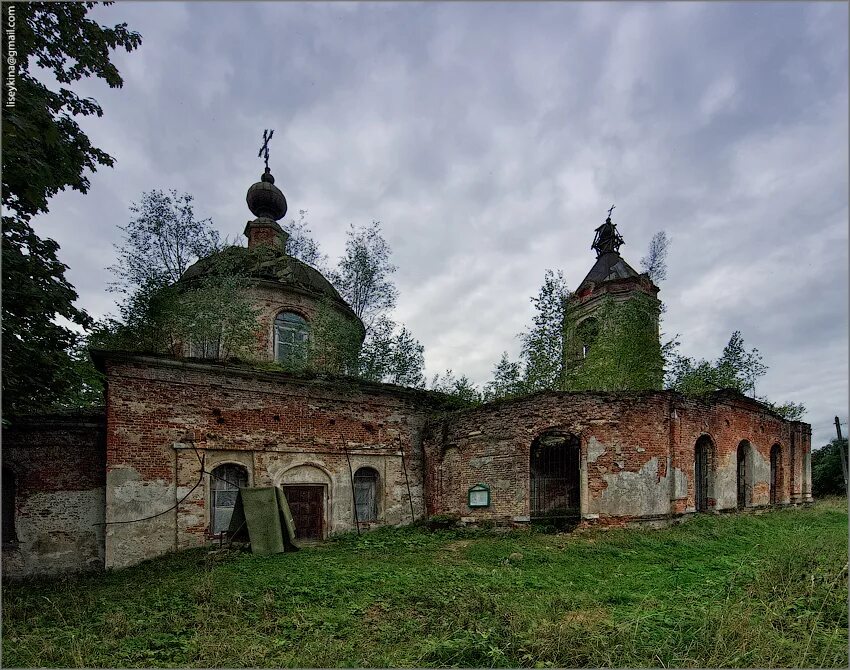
<point>307,504</point>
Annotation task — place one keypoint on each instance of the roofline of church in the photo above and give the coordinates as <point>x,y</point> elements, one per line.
<point>244,369</point>
<point>727,395</point>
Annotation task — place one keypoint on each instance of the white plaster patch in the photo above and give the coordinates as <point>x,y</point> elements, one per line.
<point>594,449</point>
<point>635,493</point>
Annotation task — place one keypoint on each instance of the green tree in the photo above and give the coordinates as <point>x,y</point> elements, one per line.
<point>461,388</point>
<point>363,275</point>
<point>363,278</point>
<point>507,382</point>
<point>161,241</point>
<point>736,368</point>
<point>44,152</point>
<point>334,344</point>
<point>391,354</point>
<point>827,475</point>
<point>301,244</point>
<point>543,342</point>
<point>790,411</point>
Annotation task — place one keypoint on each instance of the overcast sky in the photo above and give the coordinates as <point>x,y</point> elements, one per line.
<point>490,139</point>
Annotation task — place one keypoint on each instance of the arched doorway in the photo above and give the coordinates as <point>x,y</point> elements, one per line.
<point>554,482</point>
<point>745,474</point>
<point>775,474</point>
<point>703,473</point>
<point>307,489</point>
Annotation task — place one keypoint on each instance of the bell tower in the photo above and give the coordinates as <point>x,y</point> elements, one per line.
<point>610,280</point>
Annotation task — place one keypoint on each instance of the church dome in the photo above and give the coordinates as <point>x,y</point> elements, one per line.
<point>267,264</point>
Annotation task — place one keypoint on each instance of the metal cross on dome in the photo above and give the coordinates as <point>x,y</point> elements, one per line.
<point>264,150</point>
<point>611,210</point>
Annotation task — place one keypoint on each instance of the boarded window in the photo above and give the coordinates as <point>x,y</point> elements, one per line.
<point>366,494</point>
<point>226,480</point>
<point>291,336</point>
<point>9,486</point>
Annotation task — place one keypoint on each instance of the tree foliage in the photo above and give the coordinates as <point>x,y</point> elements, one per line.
<point>827,475</point>
<point>44,149</point>
<point>460,388</point>
<point>654,263</point>
<point>543,342</point>
<point>363,275</point>
<point>624,353</point>
<point>208,316</point>
<point>508,380</point>
<point>616,349</point>
<point>38,367</point>
<point>301,244</point>
<point>737,368</point>
<point>161,241</point>
<point>391,354</point>
<point>44,152</point>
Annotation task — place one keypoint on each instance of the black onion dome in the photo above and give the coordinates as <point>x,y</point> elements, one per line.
<point>265,200</point>
<point>266,264</point>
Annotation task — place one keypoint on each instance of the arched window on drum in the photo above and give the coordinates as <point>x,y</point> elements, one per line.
<point>225,482</point>
<point>291,335</point>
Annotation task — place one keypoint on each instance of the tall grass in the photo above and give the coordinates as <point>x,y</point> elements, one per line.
<point>731,591</point>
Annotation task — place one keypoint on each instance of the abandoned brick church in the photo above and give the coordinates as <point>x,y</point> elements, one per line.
<point>109,487</point>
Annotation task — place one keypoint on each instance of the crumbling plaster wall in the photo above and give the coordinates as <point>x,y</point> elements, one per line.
<point>58,465</point>
<point>166,415</point>
<point>637,453</point>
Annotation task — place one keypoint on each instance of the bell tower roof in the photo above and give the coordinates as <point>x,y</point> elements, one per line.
<point>609,266</point>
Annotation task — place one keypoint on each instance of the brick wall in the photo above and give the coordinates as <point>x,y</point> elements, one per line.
<point>164,415</point>
<point>637,453</point>
<point>57,461</point>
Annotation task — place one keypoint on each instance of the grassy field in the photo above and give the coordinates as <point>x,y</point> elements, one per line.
<point>730,591</point>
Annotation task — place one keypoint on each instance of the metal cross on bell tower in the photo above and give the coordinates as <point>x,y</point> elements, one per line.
<point>264,150</point>
<point>607,238</point>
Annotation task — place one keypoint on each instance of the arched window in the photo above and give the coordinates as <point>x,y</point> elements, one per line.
<point>291,334</point>
<point>703,472</point>
<point>586,332</point>
<point>9,492</point>
<point>225,482</point>
<point>745,475</point>
<point>775,474</point>
<point>366,494</point>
